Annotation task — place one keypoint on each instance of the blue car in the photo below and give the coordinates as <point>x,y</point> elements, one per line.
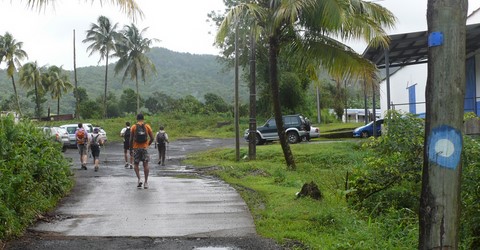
<point>367,130</point>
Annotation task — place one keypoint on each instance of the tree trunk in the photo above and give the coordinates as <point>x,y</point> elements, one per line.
<point>440,198</point>
<point>37,102</point>
<point>273,56</point>
<point>16,96</point>
<point>58,105</point>
<point>105,94</point>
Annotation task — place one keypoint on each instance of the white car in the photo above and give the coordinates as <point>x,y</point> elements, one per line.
<point>314,133</point>
<point>58,134</point>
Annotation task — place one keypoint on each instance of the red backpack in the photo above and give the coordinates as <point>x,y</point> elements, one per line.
<point>81,137</point>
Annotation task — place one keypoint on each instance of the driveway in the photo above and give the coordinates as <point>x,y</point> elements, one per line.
<point>181,209</point>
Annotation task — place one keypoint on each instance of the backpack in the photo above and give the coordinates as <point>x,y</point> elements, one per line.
<point>81,137</point>
<point>126,134</point>
<point>161,138</point>
<point>94,143</point>
<point>140,133</point>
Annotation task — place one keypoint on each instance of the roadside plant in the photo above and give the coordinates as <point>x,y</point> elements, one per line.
<point>391,176</point>
<point>34,175</point>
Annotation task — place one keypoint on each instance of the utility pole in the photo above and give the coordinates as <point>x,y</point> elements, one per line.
<point>252,129</point>
<point>374,111</point>
<point>75,78</point>
<point>442,166</point>
<point>319,110</point>
<point>237,131</point>
<point>365,100</point>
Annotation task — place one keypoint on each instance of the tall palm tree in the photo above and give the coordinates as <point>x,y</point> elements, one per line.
<point>305,29</point>
<point>131,50</point>
<point>130,7</point>
<point>31,78</point>
<point>57,82</point>
<point>101,37</point>
<point>11,52</point>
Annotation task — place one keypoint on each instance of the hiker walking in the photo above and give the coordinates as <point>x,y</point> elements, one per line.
<point>95,144</point>
<point>161,140</point>
<point>125,133</point>
<point>82,144</point>
<point>139,134</point>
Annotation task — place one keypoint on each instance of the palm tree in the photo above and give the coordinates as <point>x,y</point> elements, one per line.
<point>304,29</point>
<point>130,7</point>
<point>101,37</point>
<point>11,52</point>
<point>31,78</point>
<point>57,82</point>
<point>131,50</point>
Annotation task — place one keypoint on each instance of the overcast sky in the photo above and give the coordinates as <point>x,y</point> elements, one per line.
<point>179,24</point>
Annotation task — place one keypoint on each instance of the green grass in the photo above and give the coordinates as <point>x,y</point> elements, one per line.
<point>303,223</point>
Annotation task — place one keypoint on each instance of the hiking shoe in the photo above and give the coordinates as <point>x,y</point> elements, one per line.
<point>126,165</point>
<point>146,185</point>
<point>83,167</point>
<point>159,162</point>
<point>96,169</point>
<point>131,166</point>
<point>139,185</point>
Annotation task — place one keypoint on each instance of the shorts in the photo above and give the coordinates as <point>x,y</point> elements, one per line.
<point>126,145</point>
<point>95,152</point>
<point>140,155</point>
<point>82,149</point>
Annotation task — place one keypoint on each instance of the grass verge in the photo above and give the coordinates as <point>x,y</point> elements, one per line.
<point>304,223</point>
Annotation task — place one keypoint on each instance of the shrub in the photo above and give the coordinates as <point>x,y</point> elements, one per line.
<point>391,176</point>
<point>34,175</point>
<point>390,180</point>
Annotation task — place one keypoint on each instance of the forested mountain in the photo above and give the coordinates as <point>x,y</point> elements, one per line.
<point>178,75</point>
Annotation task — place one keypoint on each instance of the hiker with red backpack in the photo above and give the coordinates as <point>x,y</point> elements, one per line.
<point>139,134</point>
<point>161,140</point>
<point>82,144</point>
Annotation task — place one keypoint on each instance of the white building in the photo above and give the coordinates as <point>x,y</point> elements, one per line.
<point>406,62</point>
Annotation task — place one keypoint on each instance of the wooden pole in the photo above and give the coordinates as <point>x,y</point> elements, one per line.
<point>237,130</point>
<point>252,150</point>
<point>445,92</point>
<point>75,78</point>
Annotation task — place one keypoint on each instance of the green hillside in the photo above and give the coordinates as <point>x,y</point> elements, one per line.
<point>178,75</point>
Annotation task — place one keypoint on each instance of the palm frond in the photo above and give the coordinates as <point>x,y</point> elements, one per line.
<point>129,7</point>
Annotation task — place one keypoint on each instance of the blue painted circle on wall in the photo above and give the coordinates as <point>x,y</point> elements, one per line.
<point>445,146</point>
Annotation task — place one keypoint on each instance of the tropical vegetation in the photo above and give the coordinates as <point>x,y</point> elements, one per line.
<point>131,50</point>
<point>12,53</point>
<point>101,37</point>
<point>304,31</point>
<point>370,190</point>
<point>33,176</point>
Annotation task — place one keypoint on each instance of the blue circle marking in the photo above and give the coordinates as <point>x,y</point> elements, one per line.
<point>445,146</point>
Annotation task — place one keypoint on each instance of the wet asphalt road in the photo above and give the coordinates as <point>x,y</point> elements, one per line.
<point>180,210</point>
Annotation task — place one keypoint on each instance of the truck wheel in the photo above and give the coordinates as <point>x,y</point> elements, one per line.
<point>292,137</point>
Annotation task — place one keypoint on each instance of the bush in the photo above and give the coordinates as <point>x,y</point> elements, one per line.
<point>34,175</point>
<point>391,176</point>
<point>390,180</point>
